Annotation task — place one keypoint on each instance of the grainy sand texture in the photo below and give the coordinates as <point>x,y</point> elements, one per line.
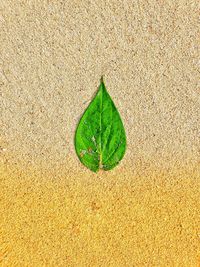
<point>53,210</point>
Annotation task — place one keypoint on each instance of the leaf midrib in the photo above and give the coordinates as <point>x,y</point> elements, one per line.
<point>101,108</point>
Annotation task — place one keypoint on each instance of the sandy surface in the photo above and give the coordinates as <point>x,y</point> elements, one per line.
<point>55,212</point>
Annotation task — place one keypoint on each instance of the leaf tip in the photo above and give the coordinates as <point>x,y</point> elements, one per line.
<point>101,80</point>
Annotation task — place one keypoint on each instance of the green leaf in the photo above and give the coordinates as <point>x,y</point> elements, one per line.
<point>100,138</point>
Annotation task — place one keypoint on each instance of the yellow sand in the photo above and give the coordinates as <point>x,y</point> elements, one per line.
<point>55,212</point>
<point>91,220</point>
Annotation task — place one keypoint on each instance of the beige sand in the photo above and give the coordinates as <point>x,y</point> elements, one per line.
<point>55,212</point>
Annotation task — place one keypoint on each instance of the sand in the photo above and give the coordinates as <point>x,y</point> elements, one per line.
<point>54,211</point>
